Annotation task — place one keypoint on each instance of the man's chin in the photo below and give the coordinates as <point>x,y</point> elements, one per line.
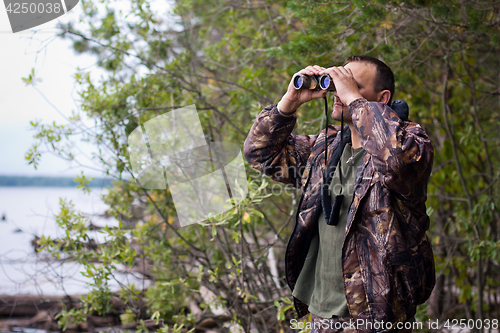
<point>337,115</point>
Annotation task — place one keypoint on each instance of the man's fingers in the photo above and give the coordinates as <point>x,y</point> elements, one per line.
<point>344,71</point>
<point>311,70</point>
<point>332,71</point>
<point>343,79</point>
<point>319,69</point>
<point>338,71</point>
<point>319,93</point>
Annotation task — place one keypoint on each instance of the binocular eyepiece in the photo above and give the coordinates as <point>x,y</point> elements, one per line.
<point>313,82</point>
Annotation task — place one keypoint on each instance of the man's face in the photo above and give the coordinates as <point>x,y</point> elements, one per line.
<point>364,75</point>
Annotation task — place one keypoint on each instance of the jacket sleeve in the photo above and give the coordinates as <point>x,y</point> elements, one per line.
<point>402,151</point>
<point>271,148</point>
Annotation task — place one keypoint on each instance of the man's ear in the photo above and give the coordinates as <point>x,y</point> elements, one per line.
<point>384,96</point>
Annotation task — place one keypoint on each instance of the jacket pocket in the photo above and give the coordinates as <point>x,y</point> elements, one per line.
<point>408,277</point>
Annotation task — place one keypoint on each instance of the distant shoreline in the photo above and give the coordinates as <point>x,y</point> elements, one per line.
<point>41,181</point>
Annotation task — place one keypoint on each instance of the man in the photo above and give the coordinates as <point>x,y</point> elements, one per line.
<point>368,272</point>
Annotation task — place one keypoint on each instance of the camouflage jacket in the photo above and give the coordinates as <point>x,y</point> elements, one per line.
<point>387,261</point>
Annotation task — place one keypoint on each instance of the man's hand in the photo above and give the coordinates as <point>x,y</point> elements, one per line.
<point>295,98</point>
<point>345,84</point>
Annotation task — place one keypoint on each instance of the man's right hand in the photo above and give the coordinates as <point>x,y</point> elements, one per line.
<point>295,98</point>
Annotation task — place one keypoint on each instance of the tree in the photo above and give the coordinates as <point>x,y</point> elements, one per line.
<point>233,57</point>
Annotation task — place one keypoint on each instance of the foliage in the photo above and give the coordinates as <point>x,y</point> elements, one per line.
<point>231,58</point>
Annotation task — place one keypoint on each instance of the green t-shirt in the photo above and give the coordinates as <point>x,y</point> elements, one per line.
<point>320,284</point>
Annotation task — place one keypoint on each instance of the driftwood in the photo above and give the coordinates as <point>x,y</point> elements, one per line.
<point>37,311</point>
<point>30,305</point>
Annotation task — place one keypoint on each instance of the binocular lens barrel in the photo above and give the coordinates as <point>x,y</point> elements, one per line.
<point>313,82</point>
<point>326,83</point>
<point>305,82</point>
<point>299,82</point>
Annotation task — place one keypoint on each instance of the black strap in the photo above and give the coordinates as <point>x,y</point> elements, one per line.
<point>330,212</point>
<point>341,145</point>
<point>326,140</point>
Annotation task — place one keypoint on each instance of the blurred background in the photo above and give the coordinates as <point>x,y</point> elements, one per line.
<point>90,255</point>
<point>29,196</point>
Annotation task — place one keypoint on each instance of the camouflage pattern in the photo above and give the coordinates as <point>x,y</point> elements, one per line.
<point>388,266</point>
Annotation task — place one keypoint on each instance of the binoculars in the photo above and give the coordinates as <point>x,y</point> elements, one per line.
<point>313,82</point>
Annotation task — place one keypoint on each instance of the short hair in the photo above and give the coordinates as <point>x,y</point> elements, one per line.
<point>384,77</point>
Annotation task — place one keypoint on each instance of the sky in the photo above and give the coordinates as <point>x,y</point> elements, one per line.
<point>55,63</point>
<point>55,97</point>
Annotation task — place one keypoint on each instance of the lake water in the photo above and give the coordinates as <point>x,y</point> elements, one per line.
<point>29,212</point>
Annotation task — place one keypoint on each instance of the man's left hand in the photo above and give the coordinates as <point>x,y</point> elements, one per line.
<point>345,85</point>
